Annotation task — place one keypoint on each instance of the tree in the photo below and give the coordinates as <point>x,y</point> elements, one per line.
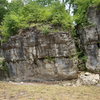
<point>46,2</point>
<point>15,5</point>
<point>3,9</point>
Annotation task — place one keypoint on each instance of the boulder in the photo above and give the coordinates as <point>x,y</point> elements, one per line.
<point>86,78</point>
<point>32,55</point>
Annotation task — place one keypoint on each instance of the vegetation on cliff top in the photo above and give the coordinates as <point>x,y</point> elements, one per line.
<point>81,7</point>
<point>20,14</point>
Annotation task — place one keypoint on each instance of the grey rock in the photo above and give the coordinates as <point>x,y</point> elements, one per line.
<point>88,79</point>
<point>90,40</point>
<point>34,56</point>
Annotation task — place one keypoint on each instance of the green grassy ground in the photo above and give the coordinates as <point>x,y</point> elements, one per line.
<point>40,91</point>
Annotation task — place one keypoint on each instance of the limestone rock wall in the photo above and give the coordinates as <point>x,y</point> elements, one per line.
<point>33,55</point>
<point>90,39</point>
<point>3,73</point>
<point>0,46</point>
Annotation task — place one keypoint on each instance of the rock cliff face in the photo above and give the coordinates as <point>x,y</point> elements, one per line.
<point>3,73</point>
<point>90,39</point>
<point>0,46</point>
<point>33,55</point>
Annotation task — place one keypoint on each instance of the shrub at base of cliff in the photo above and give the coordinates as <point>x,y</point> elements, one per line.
<point>3,69</point>
<point>82,58</point>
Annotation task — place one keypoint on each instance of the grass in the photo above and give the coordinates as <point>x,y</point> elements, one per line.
<point>37,91</point>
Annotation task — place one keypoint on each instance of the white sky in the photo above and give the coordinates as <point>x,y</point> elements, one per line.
<point>9,0</point>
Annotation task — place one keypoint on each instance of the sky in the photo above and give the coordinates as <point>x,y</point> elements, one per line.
<point>9,0</point>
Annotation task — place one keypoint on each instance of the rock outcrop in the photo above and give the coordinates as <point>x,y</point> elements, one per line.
<point>3,72</point>
<point>0,46</point>
<point>88,79</point>
<point>33,55</point>
<point>90,39</point>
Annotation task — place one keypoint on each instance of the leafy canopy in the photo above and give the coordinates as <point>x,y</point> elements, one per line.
<point>81,7</point>
<point>22,15</point>
<point>3,9</point>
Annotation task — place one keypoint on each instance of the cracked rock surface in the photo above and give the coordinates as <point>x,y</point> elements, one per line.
<point>90,39</point>
<point>32,55</point>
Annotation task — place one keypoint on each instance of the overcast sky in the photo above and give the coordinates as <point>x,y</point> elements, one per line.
<point>9,0</point>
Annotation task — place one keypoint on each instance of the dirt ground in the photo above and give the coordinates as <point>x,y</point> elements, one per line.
<point>42,91</point>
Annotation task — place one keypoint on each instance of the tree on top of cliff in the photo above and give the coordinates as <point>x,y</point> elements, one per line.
<point>46,2</point>
<point>3,9</point>
<point>81,8</point>
<point>22,15</point>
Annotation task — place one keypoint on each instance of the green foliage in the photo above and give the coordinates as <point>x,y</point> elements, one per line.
<point>95,2</point>
<point>11,24</point>
<point>24,13</point>
<point>22,16</point>
<point>82,56</point>
<point>12,20</point>
<point>60,17</point>
<point>46,2</point>
<point>50,59</point>
<point>82,59</point>
<point>35,13</point>
<point>3,10</point>
<point>81,10</point>
<point>15,5</point>
<point>3,65</point>
<point>45,29</point>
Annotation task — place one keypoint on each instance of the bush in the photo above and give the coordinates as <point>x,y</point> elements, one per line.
<point>23,16</point>
<point>11,24</point>
<point>81,10</point>
<point>3,65</point>
<point>60,16</point>
<point>3,10</point>
<point>45,30</point>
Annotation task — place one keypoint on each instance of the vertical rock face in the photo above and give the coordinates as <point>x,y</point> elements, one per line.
<point>0,46</point>
<point>33,55</point>
<point>3,72</point>
<point>90,39</point>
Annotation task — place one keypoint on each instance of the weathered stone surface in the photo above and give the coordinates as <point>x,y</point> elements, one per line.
<point>90,40</point>
<point>33,55</point>
<point>88,79</point>
<point>0,46</point>
<point>3,72</point>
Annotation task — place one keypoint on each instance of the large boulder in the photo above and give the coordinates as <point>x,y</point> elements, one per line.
<point>33,55</point>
